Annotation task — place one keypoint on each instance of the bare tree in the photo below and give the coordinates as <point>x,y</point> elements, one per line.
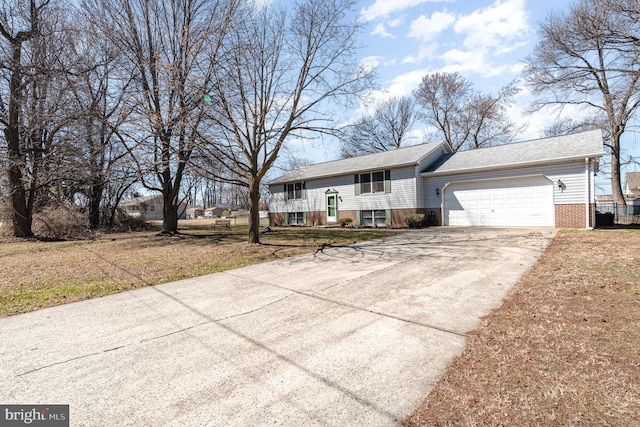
<point>15,35</point>
<point>273,79</point>
<point>100,87</point>
<point>36,113</point>
<point>568,126</point>
<point>463,117</point>
<point>170,47</point>
<point>386,129</point>
<point>589,57</point>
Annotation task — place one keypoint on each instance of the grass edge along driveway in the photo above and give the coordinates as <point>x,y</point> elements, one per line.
<point>37,274</point>
<point>564,348</point>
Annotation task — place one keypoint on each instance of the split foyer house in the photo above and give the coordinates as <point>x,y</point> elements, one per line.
<point>546,182</point>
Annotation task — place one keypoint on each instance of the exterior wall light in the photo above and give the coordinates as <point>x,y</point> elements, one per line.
<point>560,184</point>
<point>437,191</point>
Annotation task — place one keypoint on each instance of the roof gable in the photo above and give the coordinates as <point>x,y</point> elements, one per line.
<point>407,156</point>
<point>547,150</point>
<point>632,181</point>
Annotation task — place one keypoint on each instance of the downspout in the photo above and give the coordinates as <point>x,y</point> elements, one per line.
<point>588,194</point>
<point>442,203</point>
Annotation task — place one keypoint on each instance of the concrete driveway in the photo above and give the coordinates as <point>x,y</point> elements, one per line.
<point>348,336</point>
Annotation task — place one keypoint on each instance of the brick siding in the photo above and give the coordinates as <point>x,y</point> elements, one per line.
<point>572,216</point>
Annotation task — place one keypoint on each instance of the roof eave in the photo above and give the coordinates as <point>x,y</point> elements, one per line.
<point>515,165</point>
<point>395,166</point>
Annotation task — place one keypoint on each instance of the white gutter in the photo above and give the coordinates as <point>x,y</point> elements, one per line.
<point>444,188</point>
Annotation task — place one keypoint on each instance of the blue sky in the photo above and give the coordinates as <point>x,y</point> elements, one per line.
<point>484,40</point>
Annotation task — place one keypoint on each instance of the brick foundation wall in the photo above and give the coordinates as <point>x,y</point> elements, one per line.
<point>348,214</point>
<point>319,218</point>
<point>277,219</point>
<point>572,216</point>
<point>397,217</point>
<point>316,218</point>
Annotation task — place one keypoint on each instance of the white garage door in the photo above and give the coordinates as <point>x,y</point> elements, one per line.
<point>506,202</point>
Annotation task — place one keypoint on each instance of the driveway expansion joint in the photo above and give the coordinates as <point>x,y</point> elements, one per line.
<point>357,307</point>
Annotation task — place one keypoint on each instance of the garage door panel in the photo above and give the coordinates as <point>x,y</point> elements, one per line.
<point>510,202</point>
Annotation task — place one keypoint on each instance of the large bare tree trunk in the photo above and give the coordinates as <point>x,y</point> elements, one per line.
<point>21,214</point>
<point>170,213</point>
<point>616,186</point>
<point>95,197</point>
<point>254,212</point>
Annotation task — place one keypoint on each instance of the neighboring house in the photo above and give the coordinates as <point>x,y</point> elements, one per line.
<point>213,212</point>
<point>545,182</point>
<point>632,185</point>
<point>148,207</point>
<point>195,212</point>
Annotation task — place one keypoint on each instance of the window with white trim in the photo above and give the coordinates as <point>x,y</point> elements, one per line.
<point>295,190</point>
<point>373,182</point>
<point>295,218</point>
<point>373,218</point>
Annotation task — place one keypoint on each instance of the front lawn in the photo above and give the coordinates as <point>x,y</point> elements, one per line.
<point>36,274</point>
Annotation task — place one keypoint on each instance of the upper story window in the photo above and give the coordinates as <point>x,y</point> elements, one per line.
<point>373,182</point>
<point>294,190</point>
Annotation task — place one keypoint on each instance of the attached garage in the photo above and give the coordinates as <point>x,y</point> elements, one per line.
<point>522,201</point>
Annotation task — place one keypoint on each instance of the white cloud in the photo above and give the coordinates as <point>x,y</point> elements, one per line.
<point>380,30</point>
<point>488,34</point>
<point>472,61</point>
<point>404,84</point>
<point>395,22</point>
<point>383,8</point>
<point>494,26</point>
<point>371,62</point>
<point>427,29</point>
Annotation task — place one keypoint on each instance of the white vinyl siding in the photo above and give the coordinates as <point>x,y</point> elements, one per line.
<point>572,176</point>
<point>401,194</point>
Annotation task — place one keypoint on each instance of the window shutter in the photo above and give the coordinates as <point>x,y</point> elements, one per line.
<point>357,184</point>
<point>357,218</point>
<point>304,218</point>
<point>387,214</point>
<point>286,218</point>
<point>285,192</point>
<point>387,181</point>
<point>304,192</point>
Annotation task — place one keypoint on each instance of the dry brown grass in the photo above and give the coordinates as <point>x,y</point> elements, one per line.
<point>36,274</point>
<point>563,350</point>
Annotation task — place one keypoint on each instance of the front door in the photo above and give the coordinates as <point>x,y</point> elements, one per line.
<point>332,208</point>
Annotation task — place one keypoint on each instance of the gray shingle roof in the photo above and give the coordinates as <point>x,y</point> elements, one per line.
<point>547,150</point>
<point>408,156</point>
<point>140,199</point>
